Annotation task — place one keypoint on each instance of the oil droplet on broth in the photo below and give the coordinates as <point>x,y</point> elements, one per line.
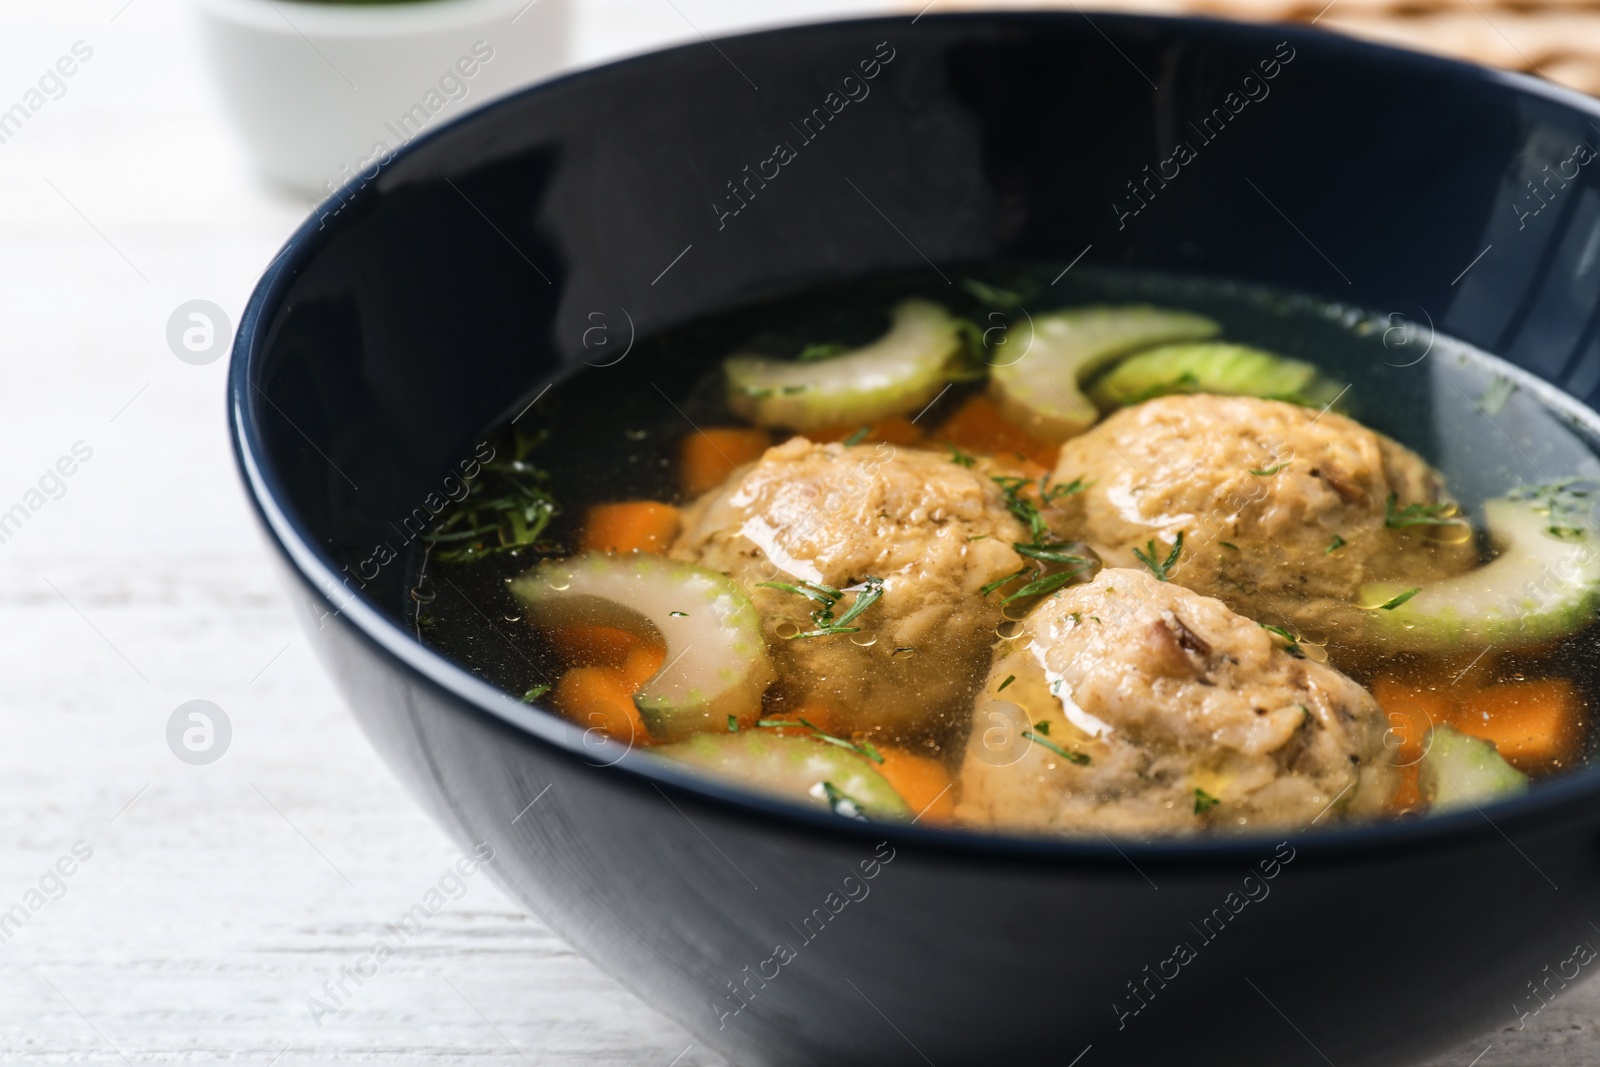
<point>786,630</point>
<point>1314,652</point>
<point>864,640</point>
<point>1009,630</point>
<point>560,585</point>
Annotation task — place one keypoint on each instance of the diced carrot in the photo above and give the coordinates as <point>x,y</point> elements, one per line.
<point>643,661</point>
<point>601,698</point>
<point>1533,723</point>
<point>631,526</point>
<point>707,457</point>
<point>1412,711</point>
<point>923,782</point>
<point>584,645</point>
<point>978,426</point>
<point>895,431</point>
<point>1408,794</point>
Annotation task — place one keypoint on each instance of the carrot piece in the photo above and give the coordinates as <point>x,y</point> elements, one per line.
<point>601,698</point>
<point>1533,724</point>
<point>895,431</point>
<point>584,645</point>
<point>1408,794</point>
<point>643,661</point>
<point>707,457</point>
<point>1412,711</point>
<point>630,526</point>
<point>978,426</point>
<point>922,781</point>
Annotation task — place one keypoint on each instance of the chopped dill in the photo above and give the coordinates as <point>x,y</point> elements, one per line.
<point>1071,757</point>
<point>1229,544</point>
<point>868,593</point>
<point>1419,514</point>
<point>1390,605</point>
<point>535,693</point>
<point>1204,802</point>
<point>508,506</point>
<point>820,350</point>
<point>857,437</point>
<point>864,749</point>
<point>842,803</point>
<point>678,614</point>
<point>1293,640</point>
<point>1043,727</point>
<point>1267,472</point>
<point>1335,545</point>
<point>1162,569</point>
<point>733,725</point>
<point>958,457</point>
<point>1009,679</point>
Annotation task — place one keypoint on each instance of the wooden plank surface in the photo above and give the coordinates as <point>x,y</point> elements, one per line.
<point>216,900</point>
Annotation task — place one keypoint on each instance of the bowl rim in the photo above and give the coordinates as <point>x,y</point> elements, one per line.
<point>1564,796</point>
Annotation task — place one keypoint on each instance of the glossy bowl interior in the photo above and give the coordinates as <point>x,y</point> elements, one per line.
<point>429,301</point>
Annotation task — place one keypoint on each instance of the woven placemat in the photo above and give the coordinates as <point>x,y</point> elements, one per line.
<point>1555,39</point>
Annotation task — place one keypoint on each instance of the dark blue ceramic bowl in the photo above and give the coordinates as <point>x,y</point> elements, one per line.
<point>444,289</point>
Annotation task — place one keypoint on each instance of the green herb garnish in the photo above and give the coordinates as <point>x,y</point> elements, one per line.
<point>821,350</point>
<point>960,458</point>
<point>992,295</point>
<point>842,803</point>
<point>1047,584</point>
<point>1009,679</point>
<point>1071,757</point>
<point>1163,569</point>
<point>1564,503</point>
<point>867,594</point>
<point>535,693</point>
<point>1267,472</point>
<point>1293,640</point>
<point>1052,553</point>
<point>1204,802</point>
<point>1043,727</point>
<point>1335,545</point>
<point>1418,515</point>
<point>1390,605</point>
<point>507,506</point>
<point>733,725</point>
<point>1229,544</point>
<point>857,437</point>
<point>864,749</point>
<point>678,614</point>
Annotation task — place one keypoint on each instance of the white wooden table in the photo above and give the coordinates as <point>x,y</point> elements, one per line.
<point>218,899</point>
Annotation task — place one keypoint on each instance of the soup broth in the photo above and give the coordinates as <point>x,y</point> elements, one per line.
<point>1045,552</point>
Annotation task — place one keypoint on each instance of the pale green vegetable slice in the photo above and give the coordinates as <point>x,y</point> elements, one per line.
<point>1461,771</point>
<point>1215,367</point>
<point>1041,389</point>
<point>898,373</point>
<point>716,663</point>
<point>800,769</point>
<point>1544,583</point>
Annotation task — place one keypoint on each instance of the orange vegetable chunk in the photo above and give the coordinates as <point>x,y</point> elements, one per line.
<point>978,426</point>
<point>601,698</point>
<point>631,526</point>
<point>923,783</point>
<point>594,646</point>
<point>1412,711</point>
<point>1533,723</point>
<point>707,457</point>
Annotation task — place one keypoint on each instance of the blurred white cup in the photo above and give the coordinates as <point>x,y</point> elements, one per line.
<point>322,91</point>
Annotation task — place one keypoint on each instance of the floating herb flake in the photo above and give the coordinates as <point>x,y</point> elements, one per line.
<point>1390,605</point>
<point>1335,545</point>
<point>1419,514</point>
<point>1162,569</point>
<point>1071,757</point>
<point>535,693</point>
<point>1204,802</point>
<point>1009,679</point>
